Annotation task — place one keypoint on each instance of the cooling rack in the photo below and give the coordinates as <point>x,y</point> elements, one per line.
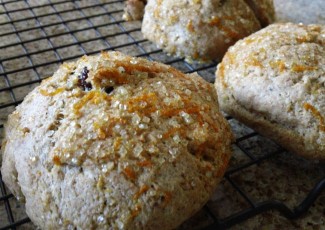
<point>264,186</point>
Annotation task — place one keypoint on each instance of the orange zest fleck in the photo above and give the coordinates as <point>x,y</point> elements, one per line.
<point>100,183</point>
<point>145,163</point>
<point>230,33</point>
<point>222,74</point>
<point>101,134</point>
<point>254,62</point>
<point>308,107</point>
<point>223,165</point>
<point>196,54</point>
<point>136,211</point>
<point>189,108</point>
<point>249,40</point>
<point>117,143</point>
<point>94,97</point>
<point>104,130</point>
<point>151,100</point>
<point>129,173</point>
<point>302,68</point>
<point>112,74</point>
<point>56,160</point>
<point>142,190</point>
<point>280,65</point>
<point>55,92</point>
<point>172,131</point>
<point>141,66</point>
<point>190,26</point>
<point>231,57</point>
<point>215,21</point>
<point>303,39</point>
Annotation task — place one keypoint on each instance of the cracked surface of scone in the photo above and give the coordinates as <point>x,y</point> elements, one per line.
<point>274,81</point>
<point>201,29</point>
<point>116,142</point>
<point>134,9</point>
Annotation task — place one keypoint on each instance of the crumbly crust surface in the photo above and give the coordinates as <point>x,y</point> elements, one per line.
<point>112,142</point>
<point>202,29</point>
<point>274,81</point>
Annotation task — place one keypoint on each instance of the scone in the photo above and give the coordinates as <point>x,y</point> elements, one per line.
<point>274,81</point>
<point>202,29</point>
<point>116,142</point>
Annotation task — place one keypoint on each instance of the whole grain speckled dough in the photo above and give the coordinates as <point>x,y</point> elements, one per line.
<point>274,81</point>
<point>203,29</point>
<point>113,142</point>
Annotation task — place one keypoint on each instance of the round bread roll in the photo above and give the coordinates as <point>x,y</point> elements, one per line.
<point>274,81</point>
<point>116,142</point>
<point>202,29</point>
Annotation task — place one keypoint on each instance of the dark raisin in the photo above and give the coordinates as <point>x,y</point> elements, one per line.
<point>108,90</point>
<point>82,80</point>
<point>87,86</point>
<point>72,73</point>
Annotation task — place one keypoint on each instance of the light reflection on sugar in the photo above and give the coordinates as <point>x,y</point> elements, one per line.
<point>100,219</point>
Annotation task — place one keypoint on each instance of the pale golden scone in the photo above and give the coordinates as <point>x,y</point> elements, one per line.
<point>134,9</point>
<point>202,29</point>
<point>116,142</point>
<point>274,81</point>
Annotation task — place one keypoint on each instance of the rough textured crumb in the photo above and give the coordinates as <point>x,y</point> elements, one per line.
<point>202,29</point>
<point>274,81</point>
<point>112,141</point>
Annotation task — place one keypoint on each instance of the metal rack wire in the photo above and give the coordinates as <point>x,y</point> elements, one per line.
<point>37,36</point>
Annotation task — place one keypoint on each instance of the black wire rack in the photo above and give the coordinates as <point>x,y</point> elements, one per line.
<point>263,181</point>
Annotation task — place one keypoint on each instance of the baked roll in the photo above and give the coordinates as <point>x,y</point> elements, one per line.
<point>203,29</point>
<point>116,142</point>
<point>274,81</point>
